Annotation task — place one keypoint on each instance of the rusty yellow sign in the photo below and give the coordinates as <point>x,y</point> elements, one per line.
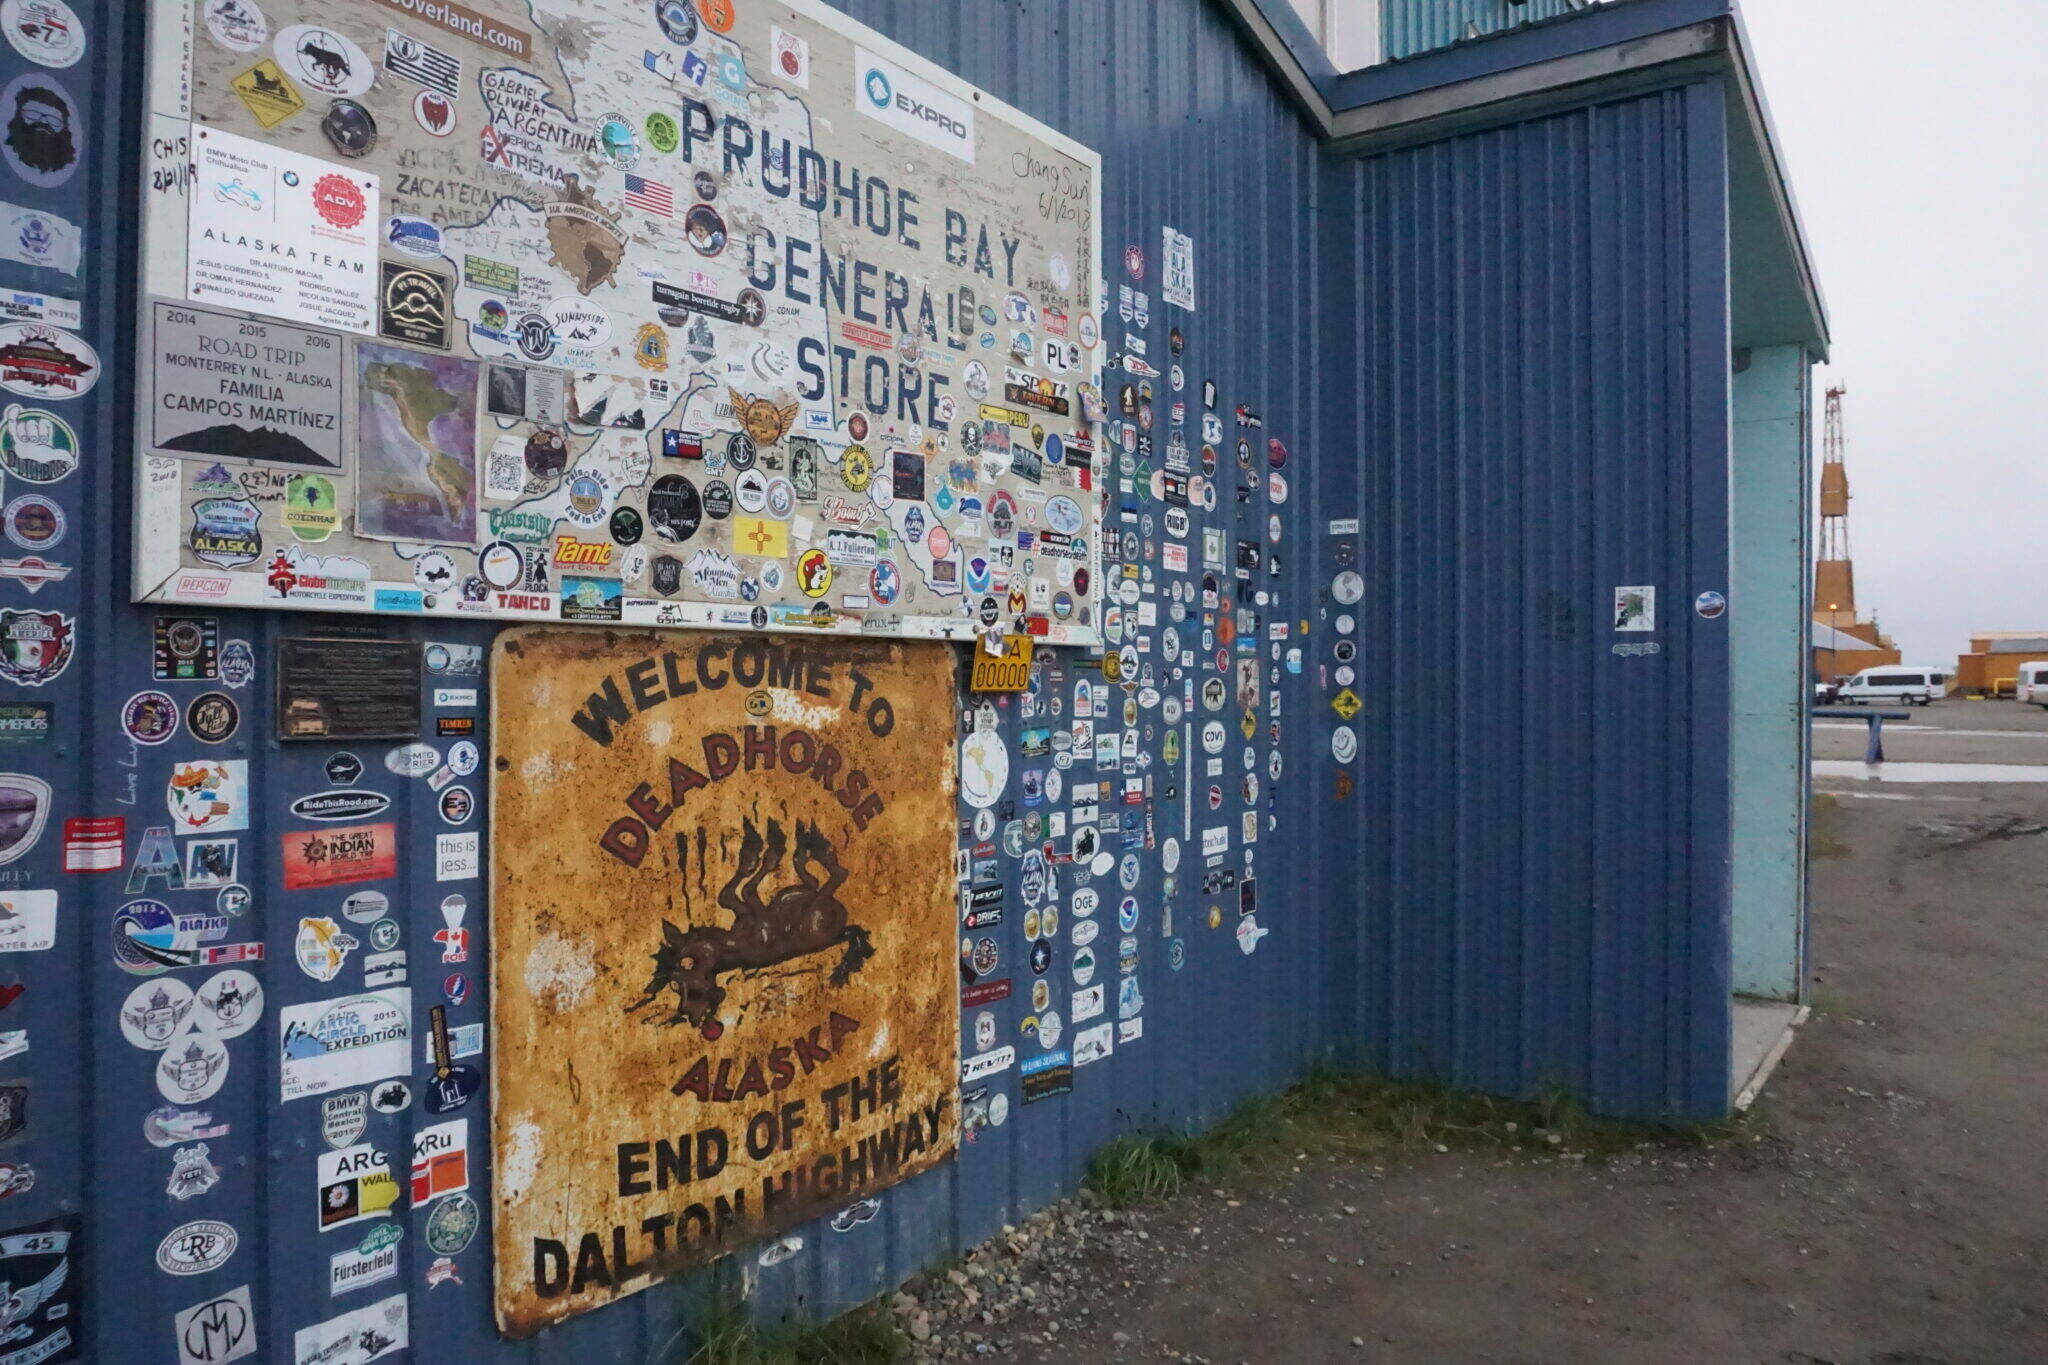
<point>723,989</point>
<point>1009,671</point>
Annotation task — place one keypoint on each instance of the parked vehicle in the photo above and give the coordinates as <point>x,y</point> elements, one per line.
<point>2032,686</point>
<point>1826,691</point>
<point>1906,684</point>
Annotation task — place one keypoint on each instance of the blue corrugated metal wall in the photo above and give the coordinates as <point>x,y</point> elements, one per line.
<point>1192,135</point>
<point>1501,355</point>
<point>1538,398</point>
<point>1411,26</point>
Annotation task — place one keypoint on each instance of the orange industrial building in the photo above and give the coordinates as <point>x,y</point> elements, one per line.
<point>1992,667</point>
<point>1843,643</point>
<point>1839,654</point>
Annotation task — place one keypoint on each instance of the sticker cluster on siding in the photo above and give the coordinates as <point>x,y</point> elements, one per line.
<point>46,367</point>
<point>373,1027</point>
<point>696,353</point>
<point>1113,804</point>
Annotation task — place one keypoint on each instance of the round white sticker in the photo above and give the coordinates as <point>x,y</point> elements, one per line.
<point>46,32</point>
<point>237,25</point>
<point>1343,744</point>
<point>328,61</point>
<point>154,1012</point>
<point>984,768</point>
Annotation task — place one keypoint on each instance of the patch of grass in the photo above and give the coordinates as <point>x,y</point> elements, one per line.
<point>1333,1112</point>
<point>728,1335</point>
<point>1822,1000</point>
<point>1824,828</point>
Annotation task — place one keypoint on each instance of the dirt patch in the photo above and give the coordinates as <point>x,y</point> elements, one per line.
<point>1884,1206</point>
<point>1961,831</point>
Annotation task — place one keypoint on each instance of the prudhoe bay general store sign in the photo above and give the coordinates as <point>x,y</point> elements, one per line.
<point>714,315</point>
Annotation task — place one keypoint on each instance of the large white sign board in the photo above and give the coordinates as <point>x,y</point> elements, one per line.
<point>609,310</point>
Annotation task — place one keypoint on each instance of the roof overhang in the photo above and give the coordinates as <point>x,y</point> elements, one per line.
<point>1609,51</point>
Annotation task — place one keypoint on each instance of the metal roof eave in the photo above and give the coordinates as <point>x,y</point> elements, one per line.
<point>1621,48</point>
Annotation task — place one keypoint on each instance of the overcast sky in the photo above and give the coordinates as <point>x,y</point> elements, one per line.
<point>1916,139</point>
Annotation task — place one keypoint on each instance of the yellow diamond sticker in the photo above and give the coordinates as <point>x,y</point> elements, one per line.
<point>269,93</point>
<point>1346,703</point>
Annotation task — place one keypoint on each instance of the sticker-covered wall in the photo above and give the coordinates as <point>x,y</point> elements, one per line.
<point>290,1002</point>
<point>55,169</point>
<point>420,947</point>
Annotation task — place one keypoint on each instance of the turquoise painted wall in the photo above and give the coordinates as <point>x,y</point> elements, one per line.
<point>1768,508</point>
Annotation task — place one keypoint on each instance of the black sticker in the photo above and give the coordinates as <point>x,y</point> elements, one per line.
<point>676,510</point>
<point>187,648</point>
<point>350,128</point>
<point>44,1282</point>
<point>909,476</point>
<point>718,500</point>
<point>413,306</point>
<point>212,717</point>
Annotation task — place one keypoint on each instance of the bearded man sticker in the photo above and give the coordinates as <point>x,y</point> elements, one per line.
<point>42,130</point>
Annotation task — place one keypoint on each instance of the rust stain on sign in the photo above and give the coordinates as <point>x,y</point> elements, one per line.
<point>722,915</point>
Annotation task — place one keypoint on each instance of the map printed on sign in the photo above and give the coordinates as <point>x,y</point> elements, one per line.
<point>597,311</point>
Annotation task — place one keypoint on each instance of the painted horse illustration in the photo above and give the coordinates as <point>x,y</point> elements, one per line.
<point>802,918</point>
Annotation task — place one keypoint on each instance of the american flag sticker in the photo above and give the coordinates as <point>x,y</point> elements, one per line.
<point>407,56</point>
<point>650,196</point>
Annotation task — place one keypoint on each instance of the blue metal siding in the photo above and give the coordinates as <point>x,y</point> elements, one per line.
<point>1502,354</point>
<point>1411,26</point>
<point>1538,414</point>
<point>1193,135</point>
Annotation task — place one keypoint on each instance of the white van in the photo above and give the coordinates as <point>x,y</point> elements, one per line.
<point>2033,684</point>
<point>1905,684</point>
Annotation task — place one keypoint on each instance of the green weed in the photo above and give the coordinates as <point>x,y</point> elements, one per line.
<point>1333,1112</point>
<point>728,1335</point>
<point>1824,828</point>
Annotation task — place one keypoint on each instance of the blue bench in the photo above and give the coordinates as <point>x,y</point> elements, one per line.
<point>1873,752</point>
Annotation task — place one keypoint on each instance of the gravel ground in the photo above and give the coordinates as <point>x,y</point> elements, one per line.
<point>1888,1205</point>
